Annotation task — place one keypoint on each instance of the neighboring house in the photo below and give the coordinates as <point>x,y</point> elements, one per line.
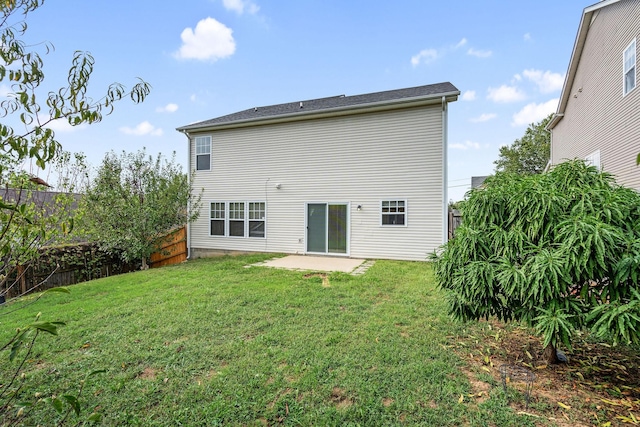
<point>598,117</point>
<point>361,176</point>
<point>477,181</point>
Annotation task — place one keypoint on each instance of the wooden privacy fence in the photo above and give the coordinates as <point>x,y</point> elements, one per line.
<point>173,249</point>
<point>71,264</point>
<point>455,219</point>
<point>64,265</point>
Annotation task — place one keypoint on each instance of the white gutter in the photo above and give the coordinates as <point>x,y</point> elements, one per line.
<point>445,228</point>
<point>189,183</point>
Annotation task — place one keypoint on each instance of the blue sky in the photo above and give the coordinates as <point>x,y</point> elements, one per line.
<point>207,58</point>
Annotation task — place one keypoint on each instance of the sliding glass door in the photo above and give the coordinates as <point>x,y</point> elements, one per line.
<point>327,228</point>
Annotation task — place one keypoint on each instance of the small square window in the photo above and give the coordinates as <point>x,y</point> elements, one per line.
<point>593,159</point>
<point>203,153</point>
<point>394,212</point>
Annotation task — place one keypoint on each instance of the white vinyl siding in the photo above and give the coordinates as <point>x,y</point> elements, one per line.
<point>333,159</point>
<point>596,116</point>
<point>629,68</point>
<point>203,153</point>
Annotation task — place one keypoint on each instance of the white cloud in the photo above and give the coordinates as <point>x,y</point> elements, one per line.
<point>239,6</point>
<point>169,108</point>
<point>465,145</point>
<point>425,56</point>
<point>5,90</point>
<point>461,43</point>
<point>533,113</point>
<point>527,37</point>
<point>479,53</point>
<point>469,95</point>
<point>193,98</point>
<point>63,126</point>
<point>505,94</point>
<point>483,118</point>
<point>211,40</point>
<point>144,128</point>
<point>546,81</point>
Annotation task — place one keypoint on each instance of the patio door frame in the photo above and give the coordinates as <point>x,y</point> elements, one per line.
<point>347,232</point>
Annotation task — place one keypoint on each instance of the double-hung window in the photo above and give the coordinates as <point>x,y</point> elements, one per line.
<point>238,219</point>
<point>217,219</point>
<point>629,68</point>
<point>394,212</point>
<point>256,219</point>
<point>203,153</point>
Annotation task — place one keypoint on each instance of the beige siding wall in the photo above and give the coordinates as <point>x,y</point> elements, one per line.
<point>359,159</point>
<point>597,116</point>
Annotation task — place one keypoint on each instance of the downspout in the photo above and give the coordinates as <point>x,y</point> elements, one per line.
<point>189,183</point>
<point>445,213</point>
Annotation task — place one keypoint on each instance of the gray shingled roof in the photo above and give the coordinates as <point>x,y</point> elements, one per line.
<point>330,103</point>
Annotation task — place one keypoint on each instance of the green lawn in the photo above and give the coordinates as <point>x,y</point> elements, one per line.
<point>211,342</point>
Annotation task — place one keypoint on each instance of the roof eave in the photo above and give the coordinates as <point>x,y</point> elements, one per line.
<point>578,46</point>
<point>329,112</point>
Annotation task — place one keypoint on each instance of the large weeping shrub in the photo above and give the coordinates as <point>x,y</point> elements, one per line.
<point>559,251</point>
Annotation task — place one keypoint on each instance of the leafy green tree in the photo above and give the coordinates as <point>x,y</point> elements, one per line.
<point>529,154</point>
<point>134,200</point>
<point>559,251</point>
<point>26,224</point>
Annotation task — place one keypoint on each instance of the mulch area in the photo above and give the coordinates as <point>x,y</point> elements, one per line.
<point>599,386</point>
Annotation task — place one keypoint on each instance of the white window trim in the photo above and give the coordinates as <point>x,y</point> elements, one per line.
<point>593,159</point>
<point>406,213</point>
<point>245,220</point>
<point>195,149</point>
<point>625,92</point>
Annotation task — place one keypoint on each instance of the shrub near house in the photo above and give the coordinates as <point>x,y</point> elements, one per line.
<point>559,251</point>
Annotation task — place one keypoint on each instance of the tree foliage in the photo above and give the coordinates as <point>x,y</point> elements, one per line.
<point>133,200</point>
<point>27,222</point>
<point>559,251</point>
<point>529,154</point>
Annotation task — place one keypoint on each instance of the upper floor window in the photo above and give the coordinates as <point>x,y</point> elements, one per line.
<point>203,153</point>
<point>629,68</point>
<point>593,159</point>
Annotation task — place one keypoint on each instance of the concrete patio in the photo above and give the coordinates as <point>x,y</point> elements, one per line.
<point>318,263</point>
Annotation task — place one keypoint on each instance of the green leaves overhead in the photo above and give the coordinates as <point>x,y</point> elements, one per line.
<point>559,250</point>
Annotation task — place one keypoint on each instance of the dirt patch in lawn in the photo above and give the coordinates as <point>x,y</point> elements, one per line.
<point>148,373</point>
<point>339,398</point>
<point>600,384</point>
<point>323,276</point>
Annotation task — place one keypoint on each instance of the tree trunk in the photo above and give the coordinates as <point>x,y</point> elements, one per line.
<point>145,266</point>
<point>550,354</point>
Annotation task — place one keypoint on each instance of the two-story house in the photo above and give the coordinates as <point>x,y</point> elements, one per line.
<point>598,116</point>
<point>360,176</point>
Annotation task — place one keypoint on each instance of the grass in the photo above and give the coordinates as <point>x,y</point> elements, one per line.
<point>211,342</point>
